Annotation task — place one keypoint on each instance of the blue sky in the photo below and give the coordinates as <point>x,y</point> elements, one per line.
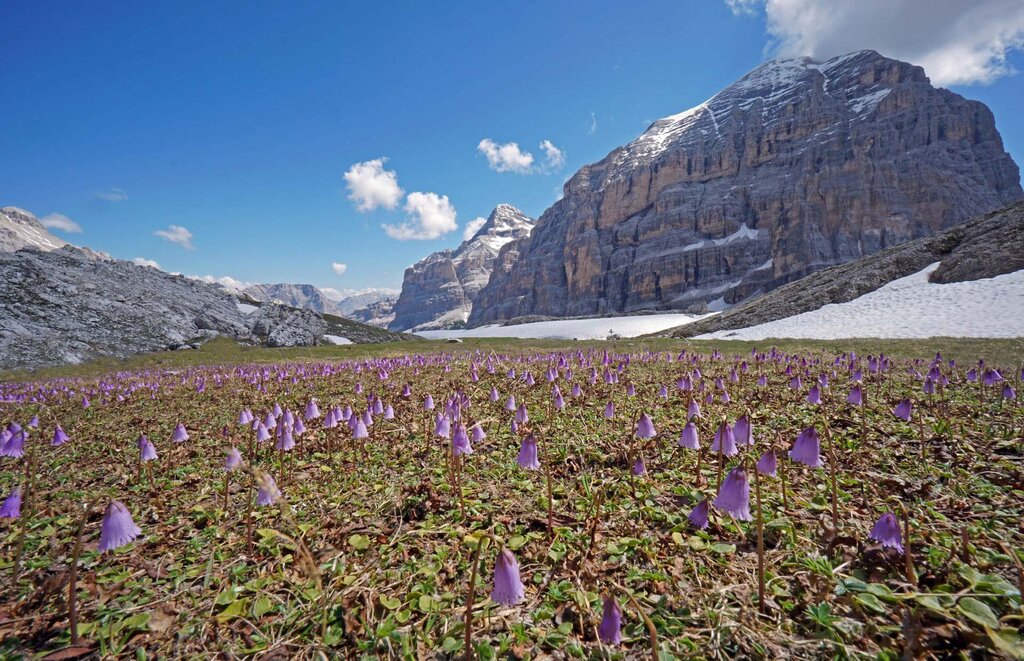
<point>238,121</point>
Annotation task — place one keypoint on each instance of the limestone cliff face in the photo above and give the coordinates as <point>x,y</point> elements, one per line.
<point>438,291</point>
<point>797,166</point>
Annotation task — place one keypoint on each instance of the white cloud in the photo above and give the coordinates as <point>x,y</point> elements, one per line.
<point>58,221</point>
<point>142,261</point>
<point>225,281</point>
<point>339,268</point>
<point>593,124</point>
<point>341,294</point>
<point>554,157</point>
<point>430,216</point>
<point>472,227</point>
<point>371,186</point>
<point>507,157</point>
<point>958,42</point>
<point>113,195</point>
<point>178,235</point>
<point>744,7</point>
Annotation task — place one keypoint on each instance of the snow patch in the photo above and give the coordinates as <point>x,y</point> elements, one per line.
<point>337,339</point>
<point>579,329</point>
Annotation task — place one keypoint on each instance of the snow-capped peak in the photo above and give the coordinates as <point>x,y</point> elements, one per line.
<point>20,229</point>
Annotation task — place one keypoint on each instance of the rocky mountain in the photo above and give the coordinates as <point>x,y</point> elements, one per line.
<point>797,166</point>
<point>379,313</point>
<point>349,302</point>
<point>439,290</point>
<point>20,229</point>
<point>305,297</point>
<point>981,248</point>
<point>70,305</point>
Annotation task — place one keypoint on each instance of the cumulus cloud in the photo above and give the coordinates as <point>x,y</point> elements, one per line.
<point>142,261</point>
<point>225,281</point>
<point>430,216</point>
<point>957,42</point>
<point>507,157</point>
<point>371,186</point>
<point>554,157</point>
<point>339,268</point>
<point>58,221</point>
<point>178,235</point>
<point>472,227</point>
<point>113,195</point>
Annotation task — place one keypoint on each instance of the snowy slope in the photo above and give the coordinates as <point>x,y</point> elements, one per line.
<point>579,329</point>
<point>909,307</point>
<point>20,229</point>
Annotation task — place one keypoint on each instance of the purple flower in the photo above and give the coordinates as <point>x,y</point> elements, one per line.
<point>725,440</point>
<point>268,493</point>
<point>148,451</point>
<point>510,404</point>
<point>814,395</point>
<point>285,442</point>
<point>442,426</point>
<point>180,434</point>
<point>478,433</point>
<point>887,532</point>
<point>428,403</point>
<point>460,441</point>
<point>262,433</point>
<point>528,458</point>
<point>856,396</point>
<point>762,380</point>
<point>312,410</point>
<point>269,421</point>
<point>645,428</point>
<point>807,449</point>
<point>522,416</point>
<point>639,468</point>
<point>494,394</point>
<point>743,431</point>
<point>15,445</point>
<point>59,436</point>
<point>698,518</point>
<point>693,410</point>
<point>1009,392</point>
<point>359,429</point>
<point>232,460</point>
<point>903,410</point>
<point>610,629</point>
<point>767,464</point>
<point>609,411</point>
<point>11,507</point>
<point>117,528</point>
<point>688,439</point>
<point>992,377</point>
<point>508,588</point>
<point>630,390</point>
<point>734,495</point>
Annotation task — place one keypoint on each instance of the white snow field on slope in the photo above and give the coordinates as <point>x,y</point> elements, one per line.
<point>337,339</point>
<point>909,307</point>
<point>569,329</point>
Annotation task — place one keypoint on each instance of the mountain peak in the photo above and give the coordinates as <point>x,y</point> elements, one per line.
<point>20,229</point>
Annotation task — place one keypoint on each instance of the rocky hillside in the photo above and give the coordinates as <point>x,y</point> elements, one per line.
<point>20,229</point>
<point>982,248</point>
<point>439,290</point>
<point>380,313</point>
<point>69,305</point>
<point>306,297</point>
<point>798,166</point>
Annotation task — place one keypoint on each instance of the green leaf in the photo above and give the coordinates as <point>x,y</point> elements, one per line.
<point>565,628</point>
<point>696,543</point>
<point>978,611</point>
<point>262,606</point>
<point>390,603</point>
<point>235,609</point>
<point>677,537</point>
<point>359,542</point>
<point>870,602</point>
<point>425,603</point>
<point>516,542</point>
<point>722,548</point>
<point>1007,641</point>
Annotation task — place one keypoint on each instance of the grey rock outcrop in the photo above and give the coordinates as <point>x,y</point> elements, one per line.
<point>982,248</point>
<point>20,229</point>
<point>439,290</point>
<point>798,166</point>
<point>280,326</point>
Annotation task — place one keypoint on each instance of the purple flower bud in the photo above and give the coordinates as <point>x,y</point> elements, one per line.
<point>522,416</point>
<point>688,439</point>
<point>267,492</point>
<point>762,381</point>
<point>494,396</point>
<point>610,629</point>
<point>528,458</point>
<point>11,507</point>
<point>856,396</point>
<point>887,532</point>
<point>442,426</point>
<point>508,588</point>
<point>693,410</point>
<point>698,518</point>
<point>117,528</point>
<point>725,440</point>
<point>767,464</point>
<point>148,451</point>
<point>807,449</point>
<point>743,431</point>
<point>645,427</point>
<point>639,468</point>
<point>460,441</point>
<point>609,411</point>
<point>312,410</point>
<point>180,434</point>
<point>232,460</point>
<point>814,395</point>
<point>734,495</point>
<point>903,410</point>
<point>428,403</point>
<point>630,390</point>
<point>59,436</point>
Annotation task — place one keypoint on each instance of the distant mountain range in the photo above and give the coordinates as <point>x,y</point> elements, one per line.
<point>342,304</point>
<point>20,229</point>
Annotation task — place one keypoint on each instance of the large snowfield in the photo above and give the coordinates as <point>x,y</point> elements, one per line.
<point>909,307</point>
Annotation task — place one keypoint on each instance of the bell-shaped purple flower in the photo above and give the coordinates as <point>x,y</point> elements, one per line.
<point>460,441</point>
<point>11,507</point>
<point>693,410</point>
<point>645,427</point>
<point>743,431</point>
<point>522,416</point>
<point>698,517</point>
<point>610,629</point>
<point>389,412</point>
<point>117,528</point>
<point>59,436</point>
<point>359,429</point>
<point>688,439</point>
<point>180,434</point>
<point>887,532</point>
<point>510,403</point>
<point>428,403</point>
<point>856,396</point>
<point>734,495</point>
<point>232,459</point>
<point>477,433</point>
<point>508,588</point>
<point>312,410</point>
<point>285,441</point>
<point>494,396</point>
<point>528,458</point>
<point>639,467</point>
<point>262,433</point>
<point>767,464</point>
<point>609,411</point>
<point>725,440</point>
<point>269,421</point>
<point>762,381</point>
<point>903,410</point>
<point>807,449</point>
<point>15,445</point>
<point>267,492</point>
<point>814,395</point>
<point>148,451</point>
<point>1009,393</point>
<point>992,377</point>
<point>442,426</point>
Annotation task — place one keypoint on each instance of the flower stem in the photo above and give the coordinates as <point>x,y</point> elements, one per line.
<point>73,577</point>
<point>760,542</point>
<point>470,594</point>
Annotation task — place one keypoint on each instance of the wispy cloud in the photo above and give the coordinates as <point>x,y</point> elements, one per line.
<point>339,268</point>
<point>592,129</point>
<point>430,216</point>
<point>58,221</point>
<point>554,157</point>
<point>371,186</point>
<point>142,261</point>
<point>112,195</point>
<point>472,227</point>
<point>178,235</point>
